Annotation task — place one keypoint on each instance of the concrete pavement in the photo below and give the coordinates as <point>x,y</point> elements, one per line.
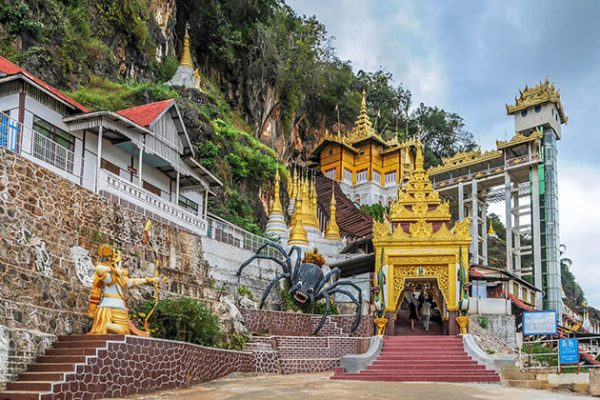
<point>319,386</point>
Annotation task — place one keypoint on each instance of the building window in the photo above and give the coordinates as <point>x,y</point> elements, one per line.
<point>331,174</point>
<point>53,145</point>
<point>188,204</point>
<point>516,289</point>
<point>390,178</point>
<point>532,297</point>
<point>347,175</point>
<point>523,113</point>
<point>376,176</point>
<point>361,176</point>
<point>538,108</point>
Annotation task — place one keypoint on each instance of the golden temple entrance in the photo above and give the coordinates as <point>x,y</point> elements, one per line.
<point>419,245</point>
<point>420,291</point>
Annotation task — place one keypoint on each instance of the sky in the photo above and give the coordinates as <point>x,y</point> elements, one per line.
<point>471,57</point>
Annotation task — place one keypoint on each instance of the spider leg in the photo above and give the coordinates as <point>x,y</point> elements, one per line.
<point>358,305</point>
<point>268,289</point>
<point>298,251</point>
<point>324,317</point>
<point>345,282</point>
<point>283,265</point>
<point>326,278</point>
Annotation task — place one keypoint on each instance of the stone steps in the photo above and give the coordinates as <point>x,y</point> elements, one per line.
<point>52,367</point>
<point>422,359</point>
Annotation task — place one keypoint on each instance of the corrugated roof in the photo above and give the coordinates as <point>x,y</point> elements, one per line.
<point>146,114</point>
<point>351,220</point>
<point>10,69</point>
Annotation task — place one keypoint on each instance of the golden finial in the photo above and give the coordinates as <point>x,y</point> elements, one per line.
<point>313,203</point>
<point>333,230</point>
<point>277,208</point>
<point>186,55</point>
<point>363,102</point>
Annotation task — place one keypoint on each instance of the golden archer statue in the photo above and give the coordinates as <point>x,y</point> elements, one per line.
<point>107,299</point>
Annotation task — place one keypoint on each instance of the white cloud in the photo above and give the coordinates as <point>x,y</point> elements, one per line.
<point>579,198</point>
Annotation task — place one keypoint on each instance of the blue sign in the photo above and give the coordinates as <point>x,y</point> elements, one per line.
<point>540,323</point>
<point>568,349</point>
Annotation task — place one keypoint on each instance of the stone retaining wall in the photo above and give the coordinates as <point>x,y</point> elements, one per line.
<point>142,365</point>
<point>50,229</point>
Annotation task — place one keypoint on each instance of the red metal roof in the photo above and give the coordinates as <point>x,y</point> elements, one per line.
<point>11,69</point>
<point>520,304</point>
<point>146,114</point>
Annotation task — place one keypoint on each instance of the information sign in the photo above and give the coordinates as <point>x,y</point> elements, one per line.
<point>539,323</point>
<point>568,350</point>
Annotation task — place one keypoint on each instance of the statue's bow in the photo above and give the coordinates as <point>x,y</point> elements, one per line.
<point>147,239</point>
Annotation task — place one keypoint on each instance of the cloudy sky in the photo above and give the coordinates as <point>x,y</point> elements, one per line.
<point>471,57</point>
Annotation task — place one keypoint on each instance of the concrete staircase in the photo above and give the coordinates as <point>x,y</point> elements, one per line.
<point>58,361</point>
<point>422,359</point>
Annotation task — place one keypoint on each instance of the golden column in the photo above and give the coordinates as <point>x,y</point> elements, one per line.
<point>298,234</point>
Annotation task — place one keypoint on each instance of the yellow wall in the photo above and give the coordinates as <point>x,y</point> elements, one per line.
<point>369,158</point>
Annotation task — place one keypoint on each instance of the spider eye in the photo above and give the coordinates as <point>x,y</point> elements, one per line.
<point>310,290</point>
<point>299,283</point>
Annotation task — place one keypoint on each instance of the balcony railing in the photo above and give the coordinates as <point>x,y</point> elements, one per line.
<point>141,198</point>
<point>18,138</point>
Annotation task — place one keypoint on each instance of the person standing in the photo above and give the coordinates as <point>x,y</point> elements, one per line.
<point>426,313</point>
<point>412,307</point>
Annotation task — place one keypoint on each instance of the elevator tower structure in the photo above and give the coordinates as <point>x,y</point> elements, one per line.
<point>522,174</point>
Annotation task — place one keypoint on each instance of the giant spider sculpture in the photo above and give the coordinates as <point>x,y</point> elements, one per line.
<point>306,282</point>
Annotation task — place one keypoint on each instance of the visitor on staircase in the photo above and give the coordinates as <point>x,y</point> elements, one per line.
<point>426,313</point>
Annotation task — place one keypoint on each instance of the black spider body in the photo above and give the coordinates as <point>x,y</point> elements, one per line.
<point>307,283</point>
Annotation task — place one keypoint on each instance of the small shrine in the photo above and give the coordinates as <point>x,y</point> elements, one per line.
<point>419,250</point>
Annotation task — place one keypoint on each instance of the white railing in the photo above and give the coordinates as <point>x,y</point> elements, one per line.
<point>226,232</point>
<point>140,197</point>
<point>18,138</point>
<point>530,357</point>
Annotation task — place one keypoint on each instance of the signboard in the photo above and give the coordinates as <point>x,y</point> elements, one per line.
<point>568,351</point>
<point>539,323</point>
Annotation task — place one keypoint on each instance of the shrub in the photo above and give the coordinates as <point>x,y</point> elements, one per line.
<point>207,152</point>
<point>239,167</point>
<point>182,319</point>
<point>236,341</point>
<point>483,321</point>
<point>244,291</point>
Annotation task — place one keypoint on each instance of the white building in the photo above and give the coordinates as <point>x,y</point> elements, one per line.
<point>141,157</point>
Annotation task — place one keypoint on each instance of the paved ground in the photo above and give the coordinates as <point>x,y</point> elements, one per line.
<point>319,386</point>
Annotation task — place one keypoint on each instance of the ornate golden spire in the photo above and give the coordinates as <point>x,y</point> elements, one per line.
<point>333,230</point>
<point>298,234</point>
<point>277,208</point>
<point>186,55</point>
<point>297,205</point>
<point>363,127</point>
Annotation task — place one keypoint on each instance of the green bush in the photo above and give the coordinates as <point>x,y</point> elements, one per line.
<point>182,319</point>
<point>235,342</point>
<point>483,321</point>
<point>207,152</point>
<point>243,290</point>
<point>239,167</point>
<point>167,68</point>
<point>377,211</point>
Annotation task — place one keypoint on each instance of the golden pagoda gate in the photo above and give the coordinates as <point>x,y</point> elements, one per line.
<point>420,247</point>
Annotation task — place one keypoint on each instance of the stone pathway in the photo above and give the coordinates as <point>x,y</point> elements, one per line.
<point>319,386</point>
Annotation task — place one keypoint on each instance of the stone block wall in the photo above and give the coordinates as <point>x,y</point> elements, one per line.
<point>142,365</point>
<point>50,230</point>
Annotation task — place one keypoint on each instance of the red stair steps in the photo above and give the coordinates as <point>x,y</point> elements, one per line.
<point>422,359</point>
<point>52,367</point>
